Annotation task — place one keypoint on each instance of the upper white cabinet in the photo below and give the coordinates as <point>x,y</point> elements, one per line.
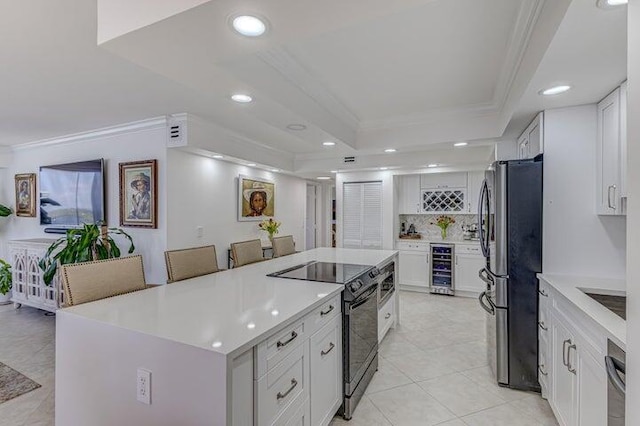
<point>443,193</point>
<point>474,184</point>
<point>611,153</point>
<point>409,194</point>
<point>531,142</point>
<point>443,180</point>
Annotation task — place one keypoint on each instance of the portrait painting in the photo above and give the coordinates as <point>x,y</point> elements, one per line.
<point>256,199</point>
<point>138,194</point>
<point>26,194</point>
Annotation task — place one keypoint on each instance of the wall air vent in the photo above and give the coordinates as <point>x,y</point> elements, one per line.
<point>176,131</point>
<point>349,159</point>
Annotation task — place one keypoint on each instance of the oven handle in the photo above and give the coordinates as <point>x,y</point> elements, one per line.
<point>613,366</point>
<point>363,298</point>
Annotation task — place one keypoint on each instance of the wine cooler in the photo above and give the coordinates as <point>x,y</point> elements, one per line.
<point>442,271</point>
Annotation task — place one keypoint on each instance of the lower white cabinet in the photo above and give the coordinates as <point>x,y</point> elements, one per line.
<point>468,262</point>
<point>386,317</point>
<point>414,267</point>
<point>297,373</point>
<point>326,372</point>
<point>573,360</point>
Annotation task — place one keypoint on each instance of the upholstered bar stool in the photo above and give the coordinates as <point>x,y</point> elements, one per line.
<point>283,246</point>
<point>88,281</point>
<point>190,262</point>
<point>246,252</point>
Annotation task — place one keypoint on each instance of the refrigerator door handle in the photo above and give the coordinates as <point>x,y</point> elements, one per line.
<point>489,308</point>
<point>484,192</point>
<point>483,274</point>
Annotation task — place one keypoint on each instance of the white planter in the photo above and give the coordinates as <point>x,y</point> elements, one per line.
<point>5,298</point>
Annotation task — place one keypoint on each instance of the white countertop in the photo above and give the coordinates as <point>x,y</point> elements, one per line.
<point>220,307</point>
<point>569,286</point>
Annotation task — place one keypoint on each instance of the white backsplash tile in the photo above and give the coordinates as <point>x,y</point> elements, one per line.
<point>422,222</point>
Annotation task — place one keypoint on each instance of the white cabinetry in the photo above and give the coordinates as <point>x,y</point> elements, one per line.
<point>409,194</point>
<point>362,215</point>
<point>298,371</point>
<point>414,265</point>
<point>386,317</point>
<point>443,180</point>
<point>474,184</point>
<point>576,380</point>
<point>468,262</point>
<point>611,154</point>
<point>443,193</point>
<point>531,142</point>
<point>28,285</point>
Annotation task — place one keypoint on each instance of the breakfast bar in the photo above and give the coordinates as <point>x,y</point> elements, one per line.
<point>231,348</point>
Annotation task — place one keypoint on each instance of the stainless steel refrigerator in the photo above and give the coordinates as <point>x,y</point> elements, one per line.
<point>510,215</point>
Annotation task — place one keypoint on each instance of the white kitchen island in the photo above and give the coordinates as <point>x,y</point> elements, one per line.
<point>231,348</point>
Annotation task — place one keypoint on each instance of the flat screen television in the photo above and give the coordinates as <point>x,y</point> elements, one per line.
<point>72,194</point>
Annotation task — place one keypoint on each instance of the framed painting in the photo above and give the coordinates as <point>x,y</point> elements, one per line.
<point>256,199</point>
<point>26,195</point>
<point>139,194</point>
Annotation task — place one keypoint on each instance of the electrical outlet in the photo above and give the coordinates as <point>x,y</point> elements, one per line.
<point>143,386</point>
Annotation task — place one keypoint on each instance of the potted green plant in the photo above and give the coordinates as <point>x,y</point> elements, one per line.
<point>91,242</point>
<point>5,282</point>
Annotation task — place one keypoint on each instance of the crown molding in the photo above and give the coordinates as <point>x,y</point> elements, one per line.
<point>134,126</point>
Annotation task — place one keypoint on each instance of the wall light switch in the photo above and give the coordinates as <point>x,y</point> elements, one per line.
<point>143,386</point>
<point>199,231</point>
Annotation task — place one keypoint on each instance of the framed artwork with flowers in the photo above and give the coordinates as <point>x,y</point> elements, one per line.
<point>256,199</point>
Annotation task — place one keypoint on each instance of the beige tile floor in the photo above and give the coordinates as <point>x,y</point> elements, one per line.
<point>432,370</point>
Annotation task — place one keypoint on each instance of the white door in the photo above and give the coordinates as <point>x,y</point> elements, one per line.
<point>310,220</point>
<point>467,267</point>
<point>592,390</point>
<point>608,155</point>
<point>409,199</point>
<point>563,395</point>
<point>362,215</point>
<point>414,269</point>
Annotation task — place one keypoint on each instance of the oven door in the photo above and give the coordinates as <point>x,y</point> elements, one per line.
<point>360,337</point>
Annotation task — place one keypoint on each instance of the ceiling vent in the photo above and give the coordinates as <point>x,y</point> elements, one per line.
<point>177,131</point>
<point>349,159</point>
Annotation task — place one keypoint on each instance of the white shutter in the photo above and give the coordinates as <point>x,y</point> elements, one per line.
<point>372,215</point>
<point>362,215</point>
<point>351,215</point>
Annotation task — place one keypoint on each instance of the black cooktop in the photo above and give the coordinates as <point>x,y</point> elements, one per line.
<point>338,273</point>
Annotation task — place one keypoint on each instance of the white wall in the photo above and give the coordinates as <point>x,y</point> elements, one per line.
<point>203,191</point>
<point>633,216</point>
<point>576,241</point>
<point>388,203</point>
<point>144,144</point>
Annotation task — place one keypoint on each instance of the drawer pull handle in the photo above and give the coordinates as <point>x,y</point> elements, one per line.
<point>387,316</point>
<point>542,292</point>
<point>323,313</point>
<point>542,326</point>
<point>331,346</point>
<point>542,371</point>
<point>281,395</point>
<point>289,340</point>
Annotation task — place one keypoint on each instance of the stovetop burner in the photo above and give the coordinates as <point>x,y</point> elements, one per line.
<point>338,273</point>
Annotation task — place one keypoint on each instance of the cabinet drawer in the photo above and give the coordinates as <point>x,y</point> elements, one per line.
<point>326,372</point>
<point>301,416</point>
<point>412,246</point>
<point>278,346</point>
<point>322,315</point>
<point>468,249</point>
<point>283,389</point>
<point>386,316</point>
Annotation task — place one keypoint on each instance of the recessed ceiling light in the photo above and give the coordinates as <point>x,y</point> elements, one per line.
<point>250,26</point>
<point>328,143</point>
<point>383,168</point>
<point>323,178</point>
<point>216,344</point>
<point>275,170</point>
<point>432,165</point>
<point>390,150</point>
<point>251,326</point>
<point>275,312</point>
<point>556,90</point>
<point>609,4</point>
<point>296,126</point>
<point>334,171</point>
<point>241,98</point>
<point>218,156</point>
<point>460,144</point>
<point>251,164</point>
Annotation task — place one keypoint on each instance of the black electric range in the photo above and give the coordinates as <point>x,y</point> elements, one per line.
<point>356,278</point>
